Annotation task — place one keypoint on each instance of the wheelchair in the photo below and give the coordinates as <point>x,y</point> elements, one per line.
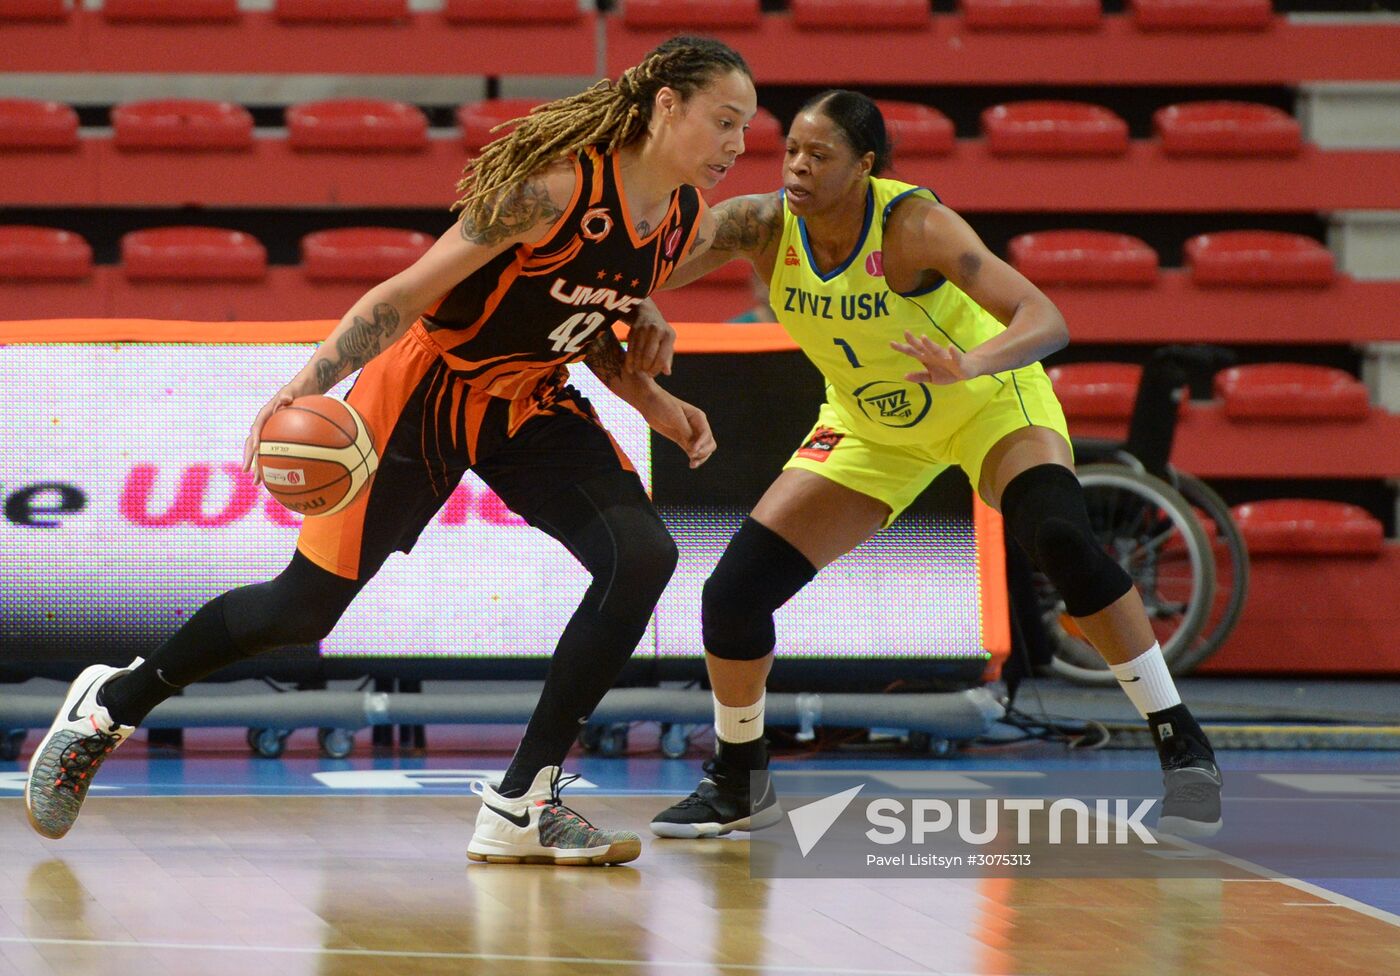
<point>1172,534</point>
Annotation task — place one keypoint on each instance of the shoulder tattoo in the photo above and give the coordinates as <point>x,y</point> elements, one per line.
<point>746,224</point>
<point>521,208</point>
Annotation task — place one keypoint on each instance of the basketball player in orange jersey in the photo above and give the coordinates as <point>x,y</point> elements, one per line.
<point>568,223</point>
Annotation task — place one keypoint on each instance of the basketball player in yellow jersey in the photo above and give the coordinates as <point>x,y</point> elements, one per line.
<point>930,347</point>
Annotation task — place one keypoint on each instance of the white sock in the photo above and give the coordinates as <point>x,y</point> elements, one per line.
<point>740,723</point>
<point>1147,682</point>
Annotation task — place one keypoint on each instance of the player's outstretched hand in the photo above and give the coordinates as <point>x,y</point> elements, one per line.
<point>683,423</point>
<point>250,446</point>
<point>651,343</point>
<point>941,364</point>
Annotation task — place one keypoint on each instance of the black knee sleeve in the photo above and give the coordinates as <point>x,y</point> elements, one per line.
<point>758,573</point>
<point>300,606</point>
<point>1043,508</point>
<point>612,528</point>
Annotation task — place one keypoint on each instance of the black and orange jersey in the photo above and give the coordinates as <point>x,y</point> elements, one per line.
<point>531,309</point>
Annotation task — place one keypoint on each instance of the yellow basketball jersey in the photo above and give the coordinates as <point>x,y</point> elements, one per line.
<point>845,319</point>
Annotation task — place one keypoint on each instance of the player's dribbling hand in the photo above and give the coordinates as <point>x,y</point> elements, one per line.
<point>651,343</point>
<point>942,365</point>
<point>685,424</point>
<point>250,446</point>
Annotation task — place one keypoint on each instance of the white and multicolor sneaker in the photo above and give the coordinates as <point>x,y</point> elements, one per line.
<point>81,738</point>
<point>539,829</point>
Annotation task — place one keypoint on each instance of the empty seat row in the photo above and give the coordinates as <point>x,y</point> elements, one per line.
<point>1053,257</point>
<point>297,11</point>
<point>1240,257</point>
<point>1216,128</point>
<point>209,254</point>
<point>1263,391</point>
<point>1054,128</point>
<point>1309,527</point>
<point>978,14</point>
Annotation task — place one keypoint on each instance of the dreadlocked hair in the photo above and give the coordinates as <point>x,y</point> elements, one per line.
<point>608,115</point>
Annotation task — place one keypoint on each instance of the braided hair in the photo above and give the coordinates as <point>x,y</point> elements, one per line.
<point>609,115</point>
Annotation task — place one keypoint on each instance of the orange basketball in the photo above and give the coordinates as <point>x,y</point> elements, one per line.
<point>316,455</point>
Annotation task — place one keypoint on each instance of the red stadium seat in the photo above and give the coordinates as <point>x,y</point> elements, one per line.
<point>765,135</point>
<point>511,11</point>
<point>477,119</point>
<point>179,123</point>
<point>690,13</point>
<point>1259,257</point>
<point>34,9</point>
<point>1291,391</point>
<point>736,272</point>
<point>860,14</point>
<point>1032,14</point>
<point>192,254</point>
<point>341,11</point>
<point>360,253</point>
<point>43,253</point>
<point>1227,129</point>
<point>1304,526</point>
<point>1054,129</point>
<point>917,130</point>
<point>170,11</point>
<point>1084,257</point>
<point>357,123</point>
<point>30,124</point>
<point>1103,391</point>
<point>1203,14</point>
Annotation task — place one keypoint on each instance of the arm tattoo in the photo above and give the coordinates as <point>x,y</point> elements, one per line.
<point>604,356</point>
<point>522,208</point>
<point>356,346</point>
<point>968,266</point>
<point>643,228</point>
<point>746,225</point>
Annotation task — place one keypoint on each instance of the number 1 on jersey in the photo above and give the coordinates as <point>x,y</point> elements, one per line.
<point>850,353</point>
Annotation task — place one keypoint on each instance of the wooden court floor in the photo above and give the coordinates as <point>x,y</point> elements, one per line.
<point>360,885</point>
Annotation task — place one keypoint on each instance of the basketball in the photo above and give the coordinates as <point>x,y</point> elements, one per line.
<point>316,455</point>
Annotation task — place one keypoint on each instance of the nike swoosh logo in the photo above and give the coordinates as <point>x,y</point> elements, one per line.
<point>521,820</point>
<point>746,721</point>
<point>73,715</point>
<point>1129,680</point>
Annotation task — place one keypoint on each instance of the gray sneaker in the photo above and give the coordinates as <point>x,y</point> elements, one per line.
<point>722,802</point>
<point>1191,801</point>
<point>81,738</point>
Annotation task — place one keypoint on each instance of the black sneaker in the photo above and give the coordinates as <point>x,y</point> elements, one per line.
<point>720,803</point>
<point>1191,801</point>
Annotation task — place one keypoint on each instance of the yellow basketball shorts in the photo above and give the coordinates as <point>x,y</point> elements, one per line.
<point>896,474</point>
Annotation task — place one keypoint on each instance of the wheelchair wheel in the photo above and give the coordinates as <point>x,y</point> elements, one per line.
<point>1231,570</point>
<point>1148,528</point>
